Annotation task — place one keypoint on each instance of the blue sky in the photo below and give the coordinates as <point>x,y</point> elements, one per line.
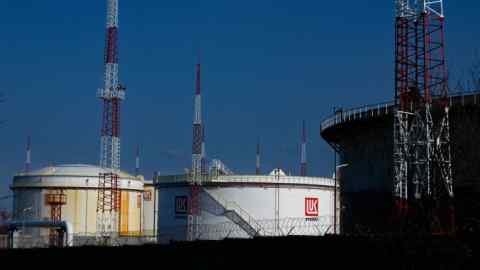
<point>267,65</point>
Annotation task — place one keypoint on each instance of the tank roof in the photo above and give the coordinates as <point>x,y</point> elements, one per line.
<point>248,179</point>
<point>72,170</point>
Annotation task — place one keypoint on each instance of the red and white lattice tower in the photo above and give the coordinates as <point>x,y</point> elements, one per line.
<point>303,162</point>
<point>112,94</point>
<point>199,168</point>
<point>423,181</point>
<point>258,170</point>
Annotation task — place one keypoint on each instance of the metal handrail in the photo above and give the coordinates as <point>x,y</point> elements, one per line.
<point>363,111</point>
<point>263,179</point>
<point>233,206</point>
<point>272,179</point>
<point>355,113</point>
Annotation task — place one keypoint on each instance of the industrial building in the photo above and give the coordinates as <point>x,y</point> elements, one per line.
<point>395,154</point>
<point>363,137</point>
<point>245,206</point>
<point>84,204</point>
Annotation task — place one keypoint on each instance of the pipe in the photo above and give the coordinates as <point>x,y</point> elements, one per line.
<point>66,226</point>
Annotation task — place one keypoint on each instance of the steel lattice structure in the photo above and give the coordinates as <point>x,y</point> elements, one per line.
<point>111,95</point>
<point>56,199</point>
<point>199,166</point>
<point>423,181</point>
<point>303,162</point>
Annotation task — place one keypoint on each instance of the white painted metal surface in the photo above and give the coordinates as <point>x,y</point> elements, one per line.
<point>232,205</point>
<point>72,176</point>
<point>150,209</point>
<point>79,183</point>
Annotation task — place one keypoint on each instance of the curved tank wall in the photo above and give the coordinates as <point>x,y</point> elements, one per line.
<point>363,137</point>
<point>243,206</point>
<point>79,183</point>
<point>149,218</point>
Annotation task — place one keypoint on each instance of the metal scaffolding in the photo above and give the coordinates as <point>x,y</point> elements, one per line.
<point>56,199</point>
<point>423,181</point>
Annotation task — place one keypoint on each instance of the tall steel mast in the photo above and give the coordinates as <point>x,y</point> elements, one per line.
<point>258,170</point>
<point>198,159</point>
<point>137,161</point>
<point>303,162</point>
<point>423,181</point>
<point>28,158</point>
<point>111,95</point>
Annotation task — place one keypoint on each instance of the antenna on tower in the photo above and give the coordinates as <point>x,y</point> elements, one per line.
<point>303,163</point>
<point>199,168</point>
<point>111,95</point>
<point>258,168</point>
<point>137,161</point>
<point>423,179</point>
<point>28,160</point>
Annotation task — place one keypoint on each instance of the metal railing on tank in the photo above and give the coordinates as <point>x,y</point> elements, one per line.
<point>253,179</point>
<point>357,113</point>
<point>379,109</point>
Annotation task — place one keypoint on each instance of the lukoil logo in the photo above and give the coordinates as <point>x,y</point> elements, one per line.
<point>181,205</point>
<point>311,207</point>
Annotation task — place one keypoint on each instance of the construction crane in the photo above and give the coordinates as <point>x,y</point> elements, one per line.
<point>423,181</point>
<point>111,95</point>
<point>199,167</point>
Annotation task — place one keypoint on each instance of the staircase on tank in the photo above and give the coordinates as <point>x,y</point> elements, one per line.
<point>236,214</point>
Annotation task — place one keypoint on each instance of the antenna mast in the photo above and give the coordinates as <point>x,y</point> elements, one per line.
<point>28,160</point>
<point>198,159</point>
<point>258,168</point>
<point>111,95</point>
<point>137,161</point>
<point>423,179</point>
<point>303,163</point>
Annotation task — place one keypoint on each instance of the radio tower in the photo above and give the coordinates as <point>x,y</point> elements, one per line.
<point>111,95</point>
<point>303,163</point>
<point>423,182</point>
<point>28,160</point>
<point>198,160</point>
<point>137,161</point>
<point>258,168</point>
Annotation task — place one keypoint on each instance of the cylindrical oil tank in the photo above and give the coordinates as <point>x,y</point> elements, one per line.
<point>244,206</point>
<point>69,193</point>
<point>364,139</point>
<point>150,209</point>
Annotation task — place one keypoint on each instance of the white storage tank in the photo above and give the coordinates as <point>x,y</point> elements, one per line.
<point>150,207</point>
<point>244,206</point>
<point>75,189</point>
